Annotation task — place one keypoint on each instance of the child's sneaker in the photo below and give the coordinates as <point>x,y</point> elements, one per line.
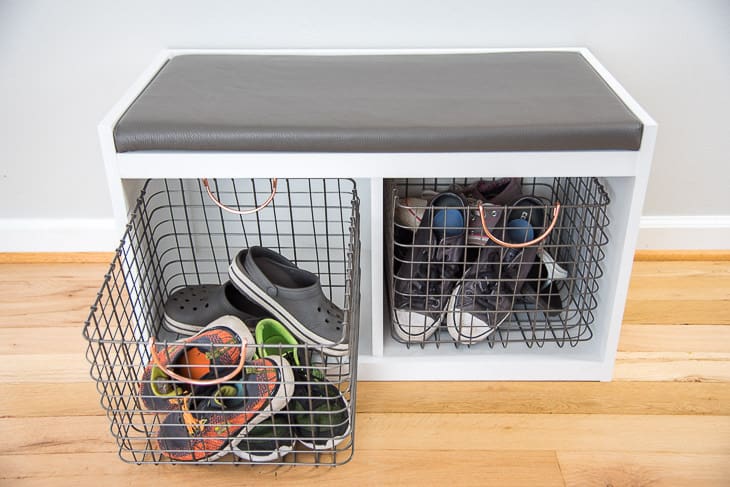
<point>319,411</point>
<point>215,352</point>
<point>273,338</point>
<point>216,419</point>
<point>269,440</point>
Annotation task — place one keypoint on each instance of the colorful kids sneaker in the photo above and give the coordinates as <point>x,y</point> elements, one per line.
<point>272,338</point>
<point>319,411</point>
<point>190,308</point>
<point>432,266</point>
<point>274,438</point>
<point>216,419</point>
<point>291,295</point>
<point>215,351</point>
<point>268,441</point>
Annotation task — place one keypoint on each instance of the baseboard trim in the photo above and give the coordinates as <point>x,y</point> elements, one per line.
<point>702,232</point>
<point>56,257</point>
<point>58,235</point>
<point>705,232</point>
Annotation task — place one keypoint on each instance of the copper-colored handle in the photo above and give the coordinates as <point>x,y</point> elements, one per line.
<point>198,382</point>
<point>556,212</point>
<point>236,210</point>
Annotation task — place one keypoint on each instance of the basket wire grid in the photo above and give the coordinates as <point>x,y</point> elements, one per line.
<point>177,237</point>
<point>533,314</point>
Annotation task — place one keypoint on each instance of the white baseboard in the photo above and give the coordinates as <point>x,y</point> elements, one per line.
<point>102,235</point>
<point>58,235</point>
<point>702,232</point>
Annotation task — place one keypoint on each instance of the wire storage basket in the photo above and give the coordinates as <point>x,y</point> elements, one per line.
<point>247,386</point>
<point>501,261</point>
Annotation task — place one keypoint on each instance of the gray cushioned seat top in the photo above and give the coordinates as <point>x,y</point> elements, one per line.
<point>378,103</point>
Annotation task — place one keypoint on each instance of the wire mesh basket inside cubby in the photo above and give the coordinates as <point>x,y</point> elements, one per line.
<point>451,282</point>
<point>243,411</point>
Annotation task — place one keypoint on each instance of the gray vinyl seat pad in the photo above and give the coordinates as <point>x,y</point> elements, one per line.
<point>524,101</point>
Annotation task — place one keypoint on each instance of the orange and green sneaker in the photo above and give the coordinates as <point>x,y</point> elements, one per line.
<point>215,419</point>
<point>211,354</point>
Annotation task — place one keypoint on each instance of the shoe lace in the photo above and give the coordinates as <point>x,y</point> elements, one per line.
<point>480,287</point>
<point>192,424</point>
<point>429,288</point>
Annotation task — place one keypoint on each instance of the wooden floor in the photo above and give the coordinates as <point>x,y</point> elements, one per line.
<point>665,420</point>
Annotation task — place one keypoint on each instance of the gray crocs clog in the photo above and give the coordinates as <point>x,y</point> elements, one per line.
<point>292,295</point>
<point>191,308</point>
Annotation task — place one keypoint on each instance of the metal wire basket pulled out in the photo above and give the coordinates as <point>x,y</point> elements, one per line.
<point>233,392</point>
<point>514,260</point>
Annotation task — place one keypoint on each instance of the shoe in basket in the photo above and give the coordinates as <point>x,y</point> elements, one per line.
<point>478,304</point>
<point>293,296</point>
<point>215,351</point>
<point>189,309</point>
<point>431,267</point>
<point>318,412</point>
<point>215,419</point>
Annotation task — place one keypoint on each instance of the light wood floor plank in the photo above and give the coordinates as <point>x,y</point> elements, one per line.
<point>615,398</point>
<point>56,339</point>
<point>670,312</point>
<point>50,367</point>
<point>33,399</point>
<point>667,469</point>
<point>650,398</point>
<point>370,468</point>
<point>433,431</point>
<point>691,434</point>
<point>47,294</point>
<point>672,366</point>
<point>679,293</point>
<point>674,338</point>
<point>711,269</point>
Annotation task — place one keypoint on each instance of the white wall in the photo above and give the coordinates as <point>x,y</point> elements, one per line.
<point>63,65</point>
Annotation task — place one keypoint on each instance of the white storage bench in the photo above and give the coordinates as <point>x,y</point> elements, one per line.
<point>399,122</point>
